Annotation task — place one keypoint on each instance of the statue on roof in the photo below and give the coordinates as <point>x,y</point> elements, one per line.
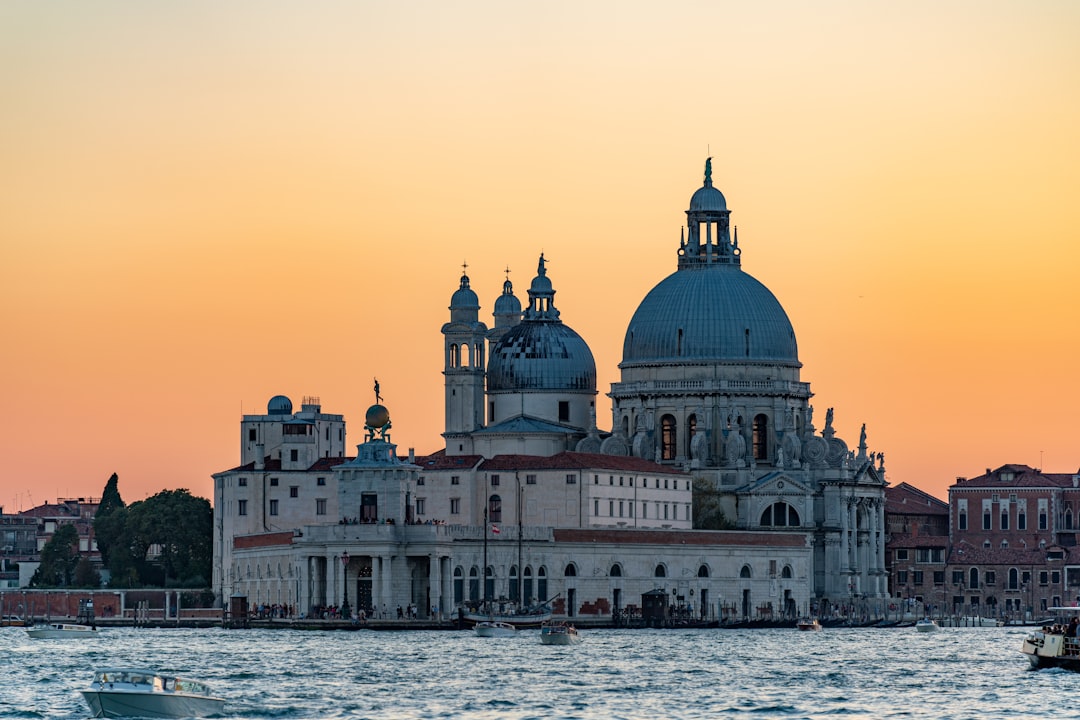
<point>378,397</point>
<point>540,269</point>
<point>708,171</point>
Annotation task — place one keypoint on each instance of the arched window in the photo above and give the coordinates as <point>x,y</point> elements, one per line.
<point>973,579</point>
<point>786,572</point>
<point>703,571</point>
<point>1014,579</point>
<point>570,571</point>
<point>661,571</point>
<point>474,584</point>
<point>541,584</point>
<point>616,570</point>
<point>495,509</point>
<point>514,596</point>
<point>626,426</point>
<point>745,572</point>
<point>691,430</point>
<point>780,514</point>
<point>459,585</point>
<point>761,437</point>
<point>527,591</point>
<point>668,438</point>
<point>489,583</point>
<point>455,355</point>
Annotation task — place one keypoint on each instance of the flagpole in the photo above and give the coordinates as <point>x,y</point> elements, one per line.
<point>483,573</point>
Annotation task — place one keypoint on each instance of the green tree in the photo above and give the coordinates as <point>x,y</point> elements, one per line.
<point>58,559</point>
<point>180,526</point>
<point>85,574</point>
<point>708,513</point>
<point>109,519</point>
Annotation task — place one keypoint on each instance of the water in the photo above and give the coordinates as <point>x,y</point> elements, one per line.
<point>956,673</point>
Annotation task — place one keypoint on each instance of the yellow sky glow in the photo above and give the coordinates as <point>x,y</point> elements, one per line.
<point>205,205</point>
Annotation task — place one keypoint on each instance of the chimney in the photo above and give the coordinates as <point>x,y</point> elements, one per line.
<point>259,456</point>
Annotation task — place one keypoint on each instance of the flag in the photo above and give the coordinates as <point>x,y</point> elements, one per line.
<point>495,529</point>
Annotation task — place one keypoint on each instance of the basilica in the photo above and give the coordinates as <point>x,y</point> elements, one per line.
<point>710,482</point>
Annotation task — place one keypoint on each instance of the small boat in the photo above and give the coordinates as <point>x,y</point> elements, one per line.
<point>559,633</point>
<point>519,621</point>
<point>1055,645</point>
<point>58,631</point>
<point>808,624</point>
<point>144,693</point>
<point>494,629</point>
<point>926,625</point>
<point>12,621</point>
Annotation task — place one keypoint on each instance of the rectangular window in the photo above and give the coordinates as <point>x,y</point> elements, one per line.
<point>665,511</point>
<point>939,577</point>
<point>320,482</point>
<point>596,508</point>
<point>491,412</point>
<point>620,508</point>
<point>273,482</point>
<point>957,577</point>
<point>595,479</point>
<point>991,577</point>
<point>610,479</point>
<point>1021,520</point>
<point>419,481</point>
<point>242,482</point>
<point>901,555</point>
<point>530,479</point>
<point>901,577</point>
<point>294,491</point>
<point>320,506</point>
<point>1055,577</point>
<point>644,511</point>
<point>665,483</point>
<point>620,481</point>
<point>455,480</point>
<point>273,507</point>
<point>611,508</point>
<point>241,507</point>
<point>986,520</point>
<point>455,506</point>
<point>420,506</point>
<point>571,479</point>
<point>1005,519</point>
<point>494,479</point>
<point>922,555</point>
<point>1044,577</point>
<point>918,577</point>
<point>251,435</point>
<point>294,455</point>
<point>564,411</point>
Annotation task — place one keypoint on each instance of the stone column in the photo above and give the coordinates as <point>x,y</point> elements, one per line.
<point>387,588</point>
<point>434,583</point>
<point>844,515</point>
<point>376,591</point>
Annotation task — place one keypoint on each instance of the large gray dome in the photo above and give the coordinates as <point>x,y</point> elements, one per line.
<point>541,356</point>
<point>709,313</point>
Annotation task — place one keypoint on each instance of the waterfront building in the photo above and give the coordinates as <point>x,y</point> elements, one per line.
<point>917,546</point>
<point>709,398</point>
<point>1013,542</point>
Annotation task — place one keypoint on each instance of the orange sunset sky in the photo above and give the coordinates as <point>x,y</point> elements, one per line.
<point>205,204</point>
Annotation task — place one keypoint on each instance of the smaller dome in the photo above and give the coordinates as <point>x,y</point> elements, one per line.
<point>279,405</point>
<point>377,416</point>
<point>708,199</point>
<point>464,297</point>
<point>507,303</point>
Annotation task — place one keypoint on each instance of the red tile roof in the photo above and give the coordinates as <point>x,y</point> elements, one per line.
<point>905,499</point>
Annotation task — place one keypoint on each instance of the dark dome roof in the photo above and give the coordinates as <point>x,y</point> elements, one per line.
<point>541,356</point>
<point>709,313</point>
<point>279,405</point>
<point>708,199</point>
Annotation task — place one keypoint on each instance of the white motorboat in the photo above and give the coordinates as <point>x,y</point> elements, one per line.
<point>557,632</point>
<point>494,629</point>
<point>133,692</point>
<point>58,631</point>
<point>811,624</point>
<point>926,625</point>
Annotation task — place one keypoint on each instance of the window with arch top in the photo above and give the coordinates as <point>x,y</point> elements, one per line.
<point>668,438</point>
<point>780,514</point>
<point>761,437</point>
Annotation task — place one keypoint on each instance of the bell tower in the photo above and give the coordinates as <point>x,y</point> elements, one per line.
<point>464,369</point>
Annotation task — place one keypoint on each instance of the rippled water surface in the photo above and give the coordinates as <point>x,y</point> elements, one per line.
<point>974,673</point>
